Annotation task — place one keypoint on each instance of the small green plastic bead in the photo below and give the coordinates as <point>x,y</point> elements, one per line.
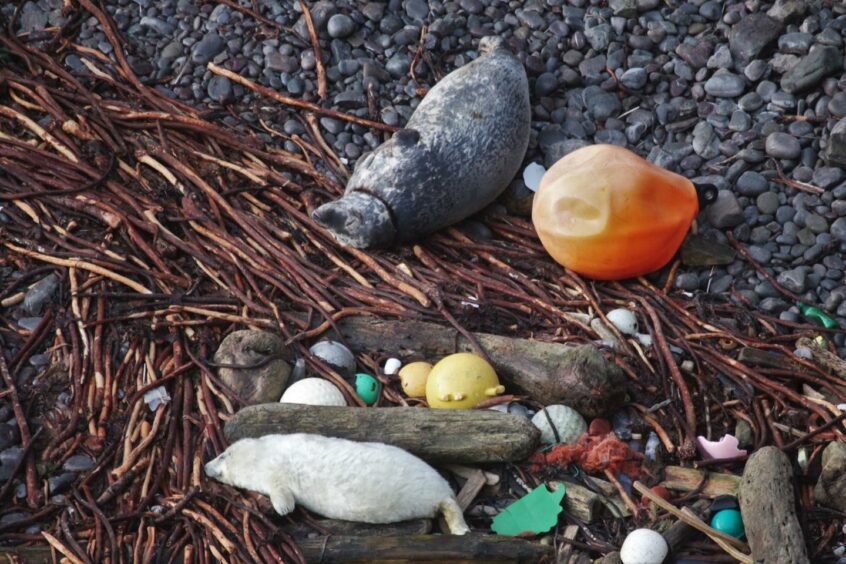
<point>730,522</point>
<point>814,314</point>
<point>367,387</point>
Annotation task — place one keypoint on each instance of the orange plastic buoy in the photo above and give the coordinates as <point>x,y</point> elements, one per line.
<point>606,213</point>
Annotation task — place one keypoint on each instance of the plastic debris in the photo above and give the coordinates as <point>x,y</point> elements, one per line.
<point>593,455</point>
<point>653,445</point>
<point>536,512</point>
<point>156,397</point>
<point>413,377</point>
<point>726,447</point>
<point>299,371</point>
<point>607,213</point>
<point>392,366</point>
<point>460,381</point>
<point>367,387</point>
<point>730,522</point>
<point>313,391</point>
<point>532,175</point>
<point>335,355</point>
<point>624,320</point>
<point>644,546</point>
<point>559,424</point>
<point>814,314</point>
<point>513,408</point>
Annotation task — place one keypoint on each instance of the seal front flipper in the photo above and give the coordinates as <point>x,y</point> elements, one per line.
<point>358,220</point>
<point>282,499</point>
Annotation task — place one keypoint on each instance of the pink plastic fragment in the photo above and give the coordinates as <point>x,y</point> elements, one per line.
<point>726,447</point>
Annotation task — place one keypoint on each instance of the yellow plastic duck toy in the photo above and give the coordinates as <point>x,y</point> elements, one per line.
<point>460,381</point>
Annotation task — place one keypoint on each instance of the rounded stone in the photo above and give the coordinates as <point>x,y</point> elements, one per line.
<point>340,26</point>
<point>767,203</point>
<point>258,365</point>
<point>782,146</point>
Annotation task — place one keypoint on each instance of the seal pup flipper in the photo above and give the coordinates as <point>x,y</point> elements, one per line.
<point>281,498</point>
<point>357,220</point>
<point>454,517</point>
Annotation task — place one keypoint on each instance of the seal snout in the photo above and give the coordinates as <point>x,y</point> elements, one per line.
<point>358,220</point>
<point>214,469</point>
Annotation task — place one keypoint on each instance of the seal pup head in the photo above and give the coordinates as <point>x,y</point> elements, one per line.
<point>230,467</point>
<point>358,220</point>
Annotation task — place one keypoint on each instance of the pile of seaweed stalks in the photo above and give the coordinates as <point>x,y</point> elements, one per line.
<point>168,230</point>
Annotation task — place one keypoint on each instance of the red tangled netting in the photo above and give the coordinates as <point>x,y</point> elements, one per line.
<point>592,455</point>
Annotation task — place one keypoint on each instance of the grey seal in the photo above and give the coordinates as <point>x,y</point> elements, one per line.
<point>461,147</point>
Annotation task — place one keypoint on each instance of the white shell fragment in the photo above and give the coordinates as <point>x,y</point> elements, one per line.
<point>624,320</point>
<point>336,355</point>
<point>313,391</point>
<point>392,366</point>
<point>644,546</point>
<point>532,175</point>
<point>568,422</point>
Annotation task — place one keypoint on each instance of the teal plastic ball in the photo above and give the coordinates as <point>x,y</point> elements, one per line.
<point>367,387</point>
<point>730,522</point>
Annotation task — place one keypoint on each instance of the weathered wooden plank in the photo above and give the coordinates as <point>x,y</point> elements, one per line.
<point>437,435</point>
<point>688,479</point>
<point>578,376</point>
<point>425,548</point>
<point>768,505</point>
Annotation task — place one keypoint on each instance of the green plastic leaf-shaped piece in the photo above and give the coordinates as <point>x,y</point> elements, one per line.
<point>536,512</point>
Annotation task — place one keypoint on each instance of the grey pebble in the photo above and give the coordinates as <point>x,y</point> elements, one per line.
<point>340,26</point>
<point>782,146</point>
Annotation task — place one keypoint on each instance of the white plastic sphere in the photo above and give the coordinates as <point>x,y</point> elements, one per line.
<point>313,391</point>
<point>644,546</point>
<point>624,320</point>
<point>568,422</point>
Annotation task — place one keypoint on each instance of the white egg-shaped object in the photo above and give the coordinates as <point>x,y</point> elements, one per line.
<point>313,391</point>
<point>567,421</point>
<point>392,366</point>
<point>644,546</point>
<point>624,320</point>
<point>336,355</point>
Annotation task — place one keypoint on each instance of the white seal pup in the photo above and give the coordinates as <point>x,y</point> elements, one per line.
<point>340,479</point>
<point>460,149</point>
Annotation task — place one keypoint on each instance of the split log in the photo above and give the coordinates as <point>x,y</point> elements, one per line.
<point>301,530</point>
<point>436,435</point>
<point>768,506</point>
<point>688,479</point>
<point>425,548</point>
<point>395,549</point>
<point>578,376</point>
<point>587,505</point>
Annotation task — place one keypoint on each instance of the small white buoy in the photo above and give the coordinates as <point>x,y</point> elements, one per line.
<point>624,320</point>
<point>313,391</point>
<point>532,175</point>
<point>568,422</point>
<point>644,546</point>
<point>336,355</point>
<point>392,366</point>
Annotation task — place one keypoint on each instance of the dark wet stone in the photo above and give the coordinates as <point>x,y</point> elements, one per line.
<point>816,65</point>
<point>752,35</point>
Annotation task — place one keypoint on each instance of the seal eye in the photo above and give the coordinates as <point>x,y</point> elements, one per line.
<point>407,137</point>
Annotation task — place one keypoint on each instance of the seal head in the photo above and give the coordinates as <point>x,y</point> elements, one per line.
<point>357,220</point>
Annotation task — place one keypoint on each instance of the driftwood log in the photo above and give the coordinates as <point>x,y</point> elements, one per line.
<point>436,435</point>
<point>397,549</point>
<point>768,506</point>
<point>425,548</point>
<point>578,376</point>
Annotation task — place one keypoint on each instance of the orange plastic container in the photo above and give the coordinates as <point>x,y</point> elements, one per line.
<point>606,213</point>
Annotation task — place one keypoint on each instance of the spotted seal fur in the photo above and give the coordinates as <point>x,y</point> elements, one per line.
<point>461,147</point>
